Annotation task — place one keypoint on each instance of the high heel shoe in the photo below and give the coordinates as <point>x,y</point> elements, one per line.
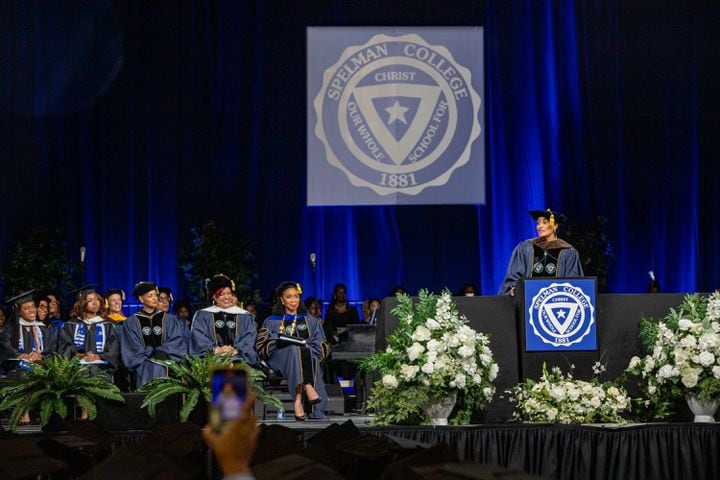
<point>300,418</point>
<point>312,401</point>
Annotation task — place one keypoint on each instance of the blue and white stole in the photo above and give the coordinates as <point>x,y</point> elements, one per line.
<point>81,332</point>
<point>37,344</point>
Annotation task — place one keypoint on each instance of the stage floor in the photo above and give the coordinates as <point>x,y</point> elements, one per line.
<point>360,421</point>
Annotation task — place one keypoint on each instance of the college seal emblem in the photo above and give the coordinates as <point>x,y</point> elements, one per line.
<point>397,114</point>
<point>561,314</point>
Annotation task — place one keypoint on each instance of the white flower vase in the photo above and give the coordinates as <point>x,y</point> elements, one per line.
<point>439,409</point>
<point>704,411</point>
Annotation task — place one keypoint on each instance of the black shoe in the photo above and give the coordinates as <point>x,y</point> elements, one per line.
<point>315,401</point>
<point>301,418</point>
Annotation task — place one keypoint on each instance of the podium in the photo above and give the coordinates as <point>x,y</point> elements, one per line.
<point>557,325</point>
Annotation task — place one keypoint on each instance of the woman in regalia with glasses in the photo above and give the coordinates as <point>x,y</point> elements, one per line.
<point>543,256</point>
<point>292,342</point>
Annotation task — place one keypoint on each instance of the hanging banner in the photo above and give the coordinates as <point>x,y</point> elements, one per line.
<point>395,116</point>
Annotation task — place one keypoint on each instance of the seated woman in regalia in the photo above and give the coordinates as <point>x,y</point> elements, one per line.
<point>223,327</point>
<point>292,342</point>
<point>90,336</point>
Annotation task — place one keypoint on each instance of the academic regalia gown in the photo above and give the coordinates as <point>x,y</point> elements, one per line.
<point>523,258</point>
<point>151,335</point>
<point>94,335</point>
<point>21,337</point>
<point>215,327</point>
<point>298,365</point>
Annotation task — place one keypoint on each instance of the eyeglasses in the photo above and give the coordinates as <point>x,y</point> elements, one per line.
<point>163,300</point>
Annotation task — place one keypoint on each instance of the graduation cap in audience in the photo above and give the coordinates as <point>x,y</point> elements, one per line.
<point>17,300</point>
<point>84,290</point>
<point>552,216</point>
<point>114,291</point>
<point>21,298</point>
<point>141,288</point>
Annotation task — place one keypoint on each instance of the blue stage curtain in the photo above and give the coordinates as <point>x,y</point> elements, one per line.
<point>129,122</point>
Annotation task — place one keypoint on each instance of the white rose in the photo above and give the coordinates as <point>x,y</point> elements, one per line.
<point>477,378</point>
<point>493,371</point>
<point>709,340</point>
<point>421,334</point>
<point>666,371</point>
<point>466,351</point>
<point>390,382</point>
<point>433,346</point>
<point>716,371</point>
<point>414,351</point>
<point>558,393</point>
<point>432,324</point>
<point>685,324</point>
<point>595,402</point>
<point>460,380</point>
<point>573,393</point>
<point>408,371</point>
<point>688,342</point>
<point>634,362</point>
<point>428,368</point>
<point>485,359</point>
<point>466,334</point>
<point>613,391</point>
<point>706,359</point>
<point>552,414</point>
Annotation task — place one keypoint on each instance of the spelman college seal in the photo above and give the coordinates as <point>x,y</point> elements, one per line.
<point>561,314</point>
<point>397,114</point>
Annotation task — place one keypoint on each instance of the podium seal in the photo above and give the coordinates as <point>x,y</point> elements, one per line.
<point>561,314</point>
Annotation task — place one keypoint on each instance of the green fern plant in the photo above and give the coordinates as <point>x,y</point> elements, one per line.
<point>191,380</point>
<point>47,385</point>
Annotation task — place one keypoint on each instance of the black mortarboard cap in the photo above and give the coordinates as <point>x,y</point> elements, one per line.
<point>21,298</point>
<point>84,290</point>
<point>557,216</point>
<point>113,292</point>
<point>141,288</point>
<point>220,281</point>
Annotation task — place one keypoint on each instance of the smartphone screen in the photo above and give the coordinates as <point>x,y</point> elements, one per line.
<point>228,395</point>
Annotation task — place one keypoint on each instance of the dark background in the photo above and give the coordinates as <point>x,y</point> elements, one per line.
<point>128,122</point>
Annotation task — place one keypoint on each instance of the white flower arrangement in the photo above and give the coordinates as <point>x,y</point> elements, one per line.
<point>560,398</point>
<point>432,353</point>
<point>684,356</point>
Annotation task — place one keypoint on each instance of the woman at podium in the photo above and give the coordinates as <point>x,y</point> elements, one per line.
<point>543,256</point>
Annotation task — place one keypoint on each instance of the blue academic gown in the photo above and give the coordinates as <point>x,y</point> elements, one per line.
<point>288,360</point>
<point>521,263</point>
<point>100,338</point>
<point>151,335</point>
<point>215,327</point>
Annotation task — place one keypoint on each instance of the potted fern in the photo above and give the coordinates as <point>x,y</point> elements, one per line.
<point>48,386</point>
<point>191,381</point>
